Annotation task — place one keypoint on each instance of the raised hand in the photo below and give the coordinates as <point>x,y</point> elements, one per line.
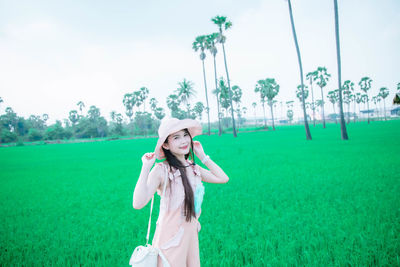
<point>148,159</point>
<point>198,150</point>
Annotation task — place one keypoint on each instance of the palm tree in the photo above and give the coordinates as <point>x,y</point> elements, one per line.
<point>322,77</point>
<point>224,95</point>
<point>185,91</point>
<point>261,89</point>
<point>342,123</point>
<point>375,100</point>
<point>333,98</point>
<point>365,85</point>
<point>201,42</point>
<point>153,104</point>
<point>271,90</point>
<point>211,40</point>
<point>198,109</point>
<point>142,96</point>
<point>129,102</point>
<point>289,112</point>
<point>221,21</point>
<point>73,117</point>
<point>348,88</point>
<point>81,105</point>
<point>45,117</point>
<point>299,93</point>
<point>308,134</point>
<point>384,92</point>
<point>310,76</point>
<point>237,97</point>
<point>358,99</point>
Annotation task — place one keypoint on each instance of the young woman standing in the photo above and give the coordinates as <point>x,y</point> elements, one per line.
<point>178,181</point>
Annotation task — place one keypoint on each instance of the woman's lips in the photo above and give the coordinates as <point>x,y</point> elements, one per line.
<point>184,147</point>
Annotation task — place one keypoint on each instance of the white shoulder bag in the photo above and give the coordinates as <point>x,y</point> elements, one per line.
<point>147,256</point>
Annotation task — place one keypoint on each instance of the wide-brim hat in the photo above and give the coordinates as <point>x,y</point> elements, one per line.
<point>172,125</point>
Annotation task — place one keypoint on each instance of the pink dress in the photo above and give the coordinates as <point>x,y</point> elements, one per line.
<point>174,236</point>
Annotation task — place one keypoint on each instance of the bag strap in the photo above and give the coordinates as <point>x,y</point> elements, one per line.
<point>151,207</point>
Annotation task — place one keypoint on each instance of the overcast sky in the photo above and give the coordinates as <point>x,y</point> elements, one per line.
<point>54,54</point>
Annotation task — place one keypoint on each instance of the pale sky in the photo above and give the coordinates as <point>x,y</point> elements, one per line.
<point>54,54</point>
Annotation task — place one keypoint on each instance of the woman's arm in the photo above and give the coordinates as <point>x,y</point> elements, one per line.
<point>148,182</point>
<point>215,175</point>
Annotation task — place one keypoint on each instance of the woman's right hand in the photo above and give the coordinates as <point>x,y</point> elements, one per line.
<point>148,159</point>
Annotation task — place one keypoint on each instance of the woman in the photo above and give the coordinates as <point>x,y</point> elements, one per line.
<point>179,183</point>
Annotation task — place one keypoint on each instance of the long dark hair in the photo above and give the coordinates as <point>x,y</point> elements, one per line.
<point>174,162</point>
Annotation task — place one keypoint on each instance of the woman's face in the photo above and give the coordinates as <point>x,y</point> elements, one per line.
<point>178,143</point>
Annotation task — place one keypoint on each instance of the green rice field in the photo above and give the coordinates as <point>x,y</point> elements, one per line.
<point>289,202</point>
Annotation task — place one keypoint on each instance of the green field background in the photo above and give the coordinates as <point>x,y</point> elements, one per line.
<point>289,202</point>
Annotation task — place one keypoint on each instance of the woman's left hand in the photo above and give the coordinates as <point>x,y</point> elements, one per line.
<point>198,150</point>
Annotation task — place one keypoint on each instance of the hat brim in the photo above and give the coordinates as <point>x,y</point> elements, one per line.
<point>193,126</point>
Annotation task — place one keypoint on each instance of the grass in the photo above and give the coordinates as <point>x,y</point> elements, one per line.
<point>289,202</point>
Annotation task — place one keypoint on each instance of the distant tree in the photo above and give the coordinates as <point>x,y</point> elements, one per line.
<point>159,113</point>
<point>81,105</point>
<point>310,76</point>
<point>322,78</point>
<point>129,103</point>
<point>222,23</point>
<point>185,92</point>
<point>348,88</point>
<point>289,112</point>
<point>201,43</point>
<point>384,92</point>
<point>299,93</point>
<point>45,117</point>
<point>73,117</point>
<point>271,88</point>
<point>375,100</point>
<point>224,96</point>
<point>237,98</point>
<point>308,133</point>
<point>333,97</point>
<point>260,88</point>
<point>365,85</point>
<point>396,99</point>
<point>153,104</point>
<point>198,109</point>
<point>141,97</point>
<point>212,39</point>
<point>173,102</point>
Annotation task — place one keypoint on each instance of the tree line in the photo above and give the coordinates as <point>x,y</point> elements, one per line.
<point>144,122</point>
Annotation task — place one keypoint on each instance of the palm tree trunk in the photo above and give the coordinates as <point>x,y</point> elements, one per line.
<point>312,104</point>
<point>205,88</point>
<point>342,123</point>
<point>384,108</point>
<point>265,121</point>
<point>354,120</point>
<point>348,113</point>
<point>322,107</point>
<point>368,108</point>
<point>230,93</point>
<point>272,115</point>
<point>216,88</point>
<point>308,134</point>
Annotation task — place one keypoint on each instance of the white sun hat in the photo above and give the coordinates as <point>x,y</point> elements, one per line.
<point>172,125</point>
